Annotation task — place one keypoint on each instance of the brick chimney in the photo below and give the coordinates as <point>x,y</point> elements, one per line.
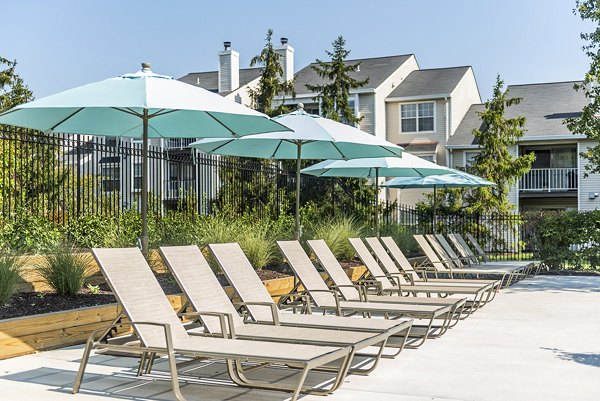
<point>286,57</point>
<point>229,69</point>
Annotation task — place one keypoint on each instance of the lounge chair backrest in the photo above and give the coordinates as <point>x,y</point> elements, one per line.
<point>139,294</point>
<point>443,255</point>
<point>199,283</point>
<point>430,253</point>
<point>463,248</point>
<point>478,247</point>
<point>370,263</point>
<point>243,278</point>
<point>331,265</point>
<point>306,272</point>
<point>397,254</point>
<point>386,260</point>
<point>448,249</point>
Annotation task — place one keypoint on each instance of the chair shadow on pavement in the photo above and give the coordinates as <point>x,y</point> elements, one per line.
<point>584,358</point>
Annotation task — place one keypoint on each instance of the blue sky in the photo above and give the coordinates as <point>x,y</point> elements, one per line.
<point>61,44</point>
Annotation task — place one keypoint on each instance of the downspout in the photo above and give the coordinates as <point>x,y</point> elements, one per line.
<point>448,164</point>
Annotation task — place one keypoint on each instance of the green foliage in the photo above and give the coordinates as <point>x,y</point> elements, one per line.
<point>403,236</point>
<point>258,245</point>
<point>587,122</point>
<point>271,82</point>
<point>13,90</point>
<point>24,232</point>
<point>335,231</point>
<point>65,271</point>
<point>568,239</point>
<point>10,272</point>
<point>337,73</point>
<point>89,231</point>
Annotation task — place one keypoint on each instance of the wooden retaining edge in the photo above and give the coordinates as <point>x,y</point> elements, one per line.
<point>30,334</point>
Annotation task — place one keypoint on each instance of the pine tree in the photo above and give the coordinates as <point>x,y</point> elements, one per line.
<point>271,82</point>
<point>587,123</point>
<point>13,90</point>
<point>494,162</point>
<point>334,94</point>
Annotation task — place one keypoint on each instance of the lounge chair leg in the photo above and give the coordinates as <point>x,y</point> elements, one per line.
<point>300,384</point>
<point>151,359</point>
<point>174,376</point>
<point>142,367</point>
<point>84,360</point>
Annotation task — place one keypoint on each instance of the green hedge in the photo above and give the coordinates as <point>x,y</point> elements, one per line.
<point>565,240</point>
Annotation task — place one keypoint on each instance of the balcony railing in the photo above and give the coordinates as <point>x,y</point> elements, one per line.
<point>174,189</point>
<point>179,143</point>
<point>549,180</point>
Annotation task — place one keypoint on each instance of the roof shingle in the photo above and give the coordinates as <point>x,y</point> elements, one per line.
<point>435,81</point>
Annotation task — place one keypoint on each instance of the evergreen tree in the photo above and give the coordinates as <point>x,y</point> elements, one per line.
<point>335,92</point>
<point>587,123</point>
<point>271,82</point>
<point>13,90</point>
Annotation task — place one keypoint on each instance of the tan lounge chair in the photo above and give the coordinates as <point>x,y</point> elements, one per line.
<point>327,299</point>
<point>261,308</point>
<point>204,292</point>
<point>353,292</point>
<point>161,332</point>
<point>478,294</point>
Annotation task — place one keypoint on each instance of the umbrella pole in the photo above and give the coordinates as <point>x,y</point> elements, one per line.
<point>144,197</point>
<point>377,202</point>
<point>434,207</point>
<point>298,167</point>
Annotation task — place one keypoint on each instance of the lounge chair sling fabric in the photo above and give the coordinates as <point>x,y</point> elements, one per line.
<point>160,331</point>
<point>248,286</point>
<point>478,248</point>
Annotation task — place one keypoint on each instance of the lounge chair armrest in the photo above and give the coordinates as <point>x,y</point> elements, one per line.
<point>397,276</point>
<point>166,327</point>
<point>306,298</point>
<point>362,294</point>
<point>336,297</point>
<point>367,284</point>
<point>226,332</point>
<point>271,305</point>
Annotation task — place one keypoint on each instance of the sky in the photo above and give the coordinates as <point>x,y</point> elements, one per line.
<point>62,44</point>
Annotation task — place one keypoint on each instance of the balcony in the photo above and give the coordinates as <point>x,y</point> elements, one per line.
<point>549,180</point>
<point>179,143</point>
<point>174,189</point>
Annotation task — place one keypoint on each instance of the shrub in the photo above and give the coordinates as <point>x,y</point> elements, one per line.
<point>402,235</point>
<point>27,232</point>
<point>10,272</point>
<point>65,271</point>
<point>258,246</point>
<point>89,231</point>
<point>335,232</point>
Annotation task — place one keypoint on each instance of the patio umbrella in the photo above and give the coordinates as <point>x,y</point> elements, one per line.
<point>313,137</point>
<point>458,179</point>
<point>141,105</point>
<point>406,166</point>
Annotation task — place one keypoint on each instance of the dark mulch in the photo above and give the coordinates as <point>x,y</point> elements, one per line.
<point>33,303</point>
<point>582,273</point>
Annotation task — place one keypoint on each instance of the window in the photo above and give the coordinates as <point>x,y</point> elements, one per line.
<point>111,174</point>
<point>417,117</point>
<point>429,158</point>
<point>137,176</point>
<point>470,158</point>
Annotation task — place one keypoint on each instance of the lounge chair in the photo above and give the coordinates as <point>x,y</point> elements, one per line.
<point>353,292</point>
<point>327,299</point>
<point>260,307</point>
<point>442,269</point>
<point>449,258</point>
<point>161,332</point>
<point>480,294</point>
<point>204,292</point>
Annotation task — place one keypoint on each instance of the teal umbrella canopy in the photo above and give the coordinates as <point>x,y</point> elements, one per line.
<point>313,137</point>
<point>142,105</point>
<point>406,166</point>
<point>454,180</point>
<point>320,138</point>
<point>117,106</point>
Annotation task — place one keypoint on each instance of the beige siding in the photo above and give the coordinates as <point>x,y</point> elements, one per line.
<point>588,184</point>
<point>396,136</point>
<point>457,159</point>
<point>366,110</point>
<point>241,95</point>
<point>464,95</point>
<point>410,197</point>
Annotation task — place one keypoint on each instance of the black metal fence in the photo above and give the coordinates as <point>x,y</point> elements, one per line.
<point>65,176</point>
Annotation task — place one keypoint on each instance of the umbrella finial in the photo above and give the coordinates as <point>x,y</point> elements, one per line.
<point>145,66</point>
<point>300,106</point>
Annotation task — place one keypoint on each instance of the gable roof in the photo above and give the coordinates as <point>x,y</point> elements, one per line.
<point>377,69</point>
<point>434,82</point>
<point>545,106</point>
<point>209,80</point>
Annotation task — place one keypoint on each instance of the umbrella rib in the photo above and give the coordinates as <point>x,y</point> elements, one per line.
<point>128,111</point>
<point>276,149</point>
<point>336,148</point>
<point>162,112</point>
<point>65,119</point>
<point>220,146</point>
<point>220,123</point>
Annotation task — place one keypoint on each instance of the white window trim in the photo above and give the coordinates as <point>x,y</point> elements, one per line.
<point>419,132</point>
<point>433,154</point>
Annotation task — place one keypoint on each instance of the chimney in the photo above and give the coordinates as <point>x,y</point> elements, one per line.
<point>229,69</point>
<point>286,58</point>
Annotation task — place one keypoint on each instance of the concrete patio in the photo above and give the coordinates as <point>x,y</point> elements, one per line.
<point>539,340</point>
